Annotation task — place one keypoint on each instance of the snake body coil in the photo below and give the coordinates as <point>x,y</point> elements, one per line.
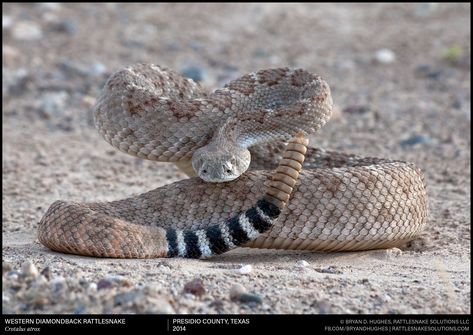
<point>331,201</point>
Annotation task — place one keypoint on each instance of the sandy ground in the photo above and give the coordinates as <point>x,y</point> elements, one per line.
<point>411,102</point>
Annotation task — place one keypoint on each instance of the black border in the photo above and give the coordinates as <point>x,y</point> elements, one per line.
<point>213,324</point>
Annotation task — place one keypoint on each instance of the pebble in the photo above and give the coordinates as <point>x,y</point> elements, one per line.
<point>414,140</point>
<point>98,69</point>
<point>46,272</point>
<point>53,104</point>
<point>28,269</point>
<point>12,275</point>
<point>429,72</point>
<point>244,270</point>
<point>330,269</point>
<point>118,279</point>
<point>249,299</point>
<point>195,287</point>
<point>238,293</point>
<point>103,283</point>
<point>67,26</point>
<point>356,109</point>
<point>80,309</point>
<point>26,31</point>
<point>385,56</point>
<point>193,72</point>
<point>301,264</point>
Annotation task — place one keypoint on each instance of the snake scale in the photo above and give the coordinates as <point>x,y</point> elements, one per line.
<point>244,147</point>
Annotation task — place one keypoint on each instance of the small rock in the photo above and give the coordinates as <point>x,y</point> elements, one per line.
<point>236,291</point>
<point>80,309</point>
<point>65,26</point>
<point>249,299</point>
<point>217,303</point>
<point>98,69</point>
<point>330,269</point>
<point>456,104</point>
<point>414,140</point>
<point>244,270</point>
<point>46,272</point>
<point>195,287</point>
<point>27,31</point>
<point>12,275</point>
<point>385,56</point>
<point>53,104</point>
<point>394,252</point>
<point>301,264</point>
<point>119,280</point>
<point>28,269</point>
<point>429,72</point>
<point>92,286</point>
<point>193,72</point>
<point>356,110</point>
<point>103,284</point>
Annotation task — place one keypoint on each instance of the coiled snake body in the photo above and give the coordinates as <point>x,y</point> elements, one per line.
<point>230,140</point>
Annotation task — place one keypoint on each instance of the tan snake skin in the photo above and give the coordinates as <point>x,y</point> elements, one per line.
<point>339,202</point>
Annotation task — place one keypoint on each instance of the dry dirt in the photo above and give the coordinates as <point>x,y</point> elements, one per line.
<point>410,102</point>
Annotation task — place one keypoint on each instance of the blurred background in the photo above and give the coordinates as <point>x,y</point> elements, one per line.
<point>388,61</point>
<point>399,74</point>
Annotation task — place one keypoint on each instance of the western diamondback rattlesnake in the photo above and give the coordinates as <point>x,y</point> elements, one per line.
<point>339,202</point>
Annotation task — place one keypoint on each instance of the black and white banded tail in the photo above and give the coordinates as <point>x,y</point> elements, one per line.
<point>248,225</point>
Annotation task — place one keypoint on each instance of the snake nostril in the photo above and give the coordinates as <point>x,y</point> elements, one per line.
<point>204,171</point>
<point>229,171</point>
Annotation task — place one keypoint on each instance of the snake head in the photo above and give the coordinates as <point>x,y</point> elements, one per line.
<point>215,164</point>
